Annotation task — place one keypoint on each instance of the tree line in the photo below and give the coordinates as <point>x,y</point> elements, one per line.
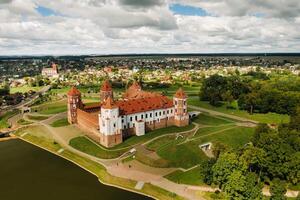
<point>254,92</point>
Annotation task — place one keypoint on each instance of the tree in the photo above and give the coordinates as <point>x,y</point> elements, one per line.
<point>235,186</point>
<point>295,120</point>
<point>278,190</point>
<point>224,166</point>
<point>218,148</point>
<point>206,170</point>
<point>260,129</point>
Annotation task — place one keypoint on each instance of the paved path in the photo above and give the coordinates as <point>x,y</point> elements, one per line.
<point>212,112</point>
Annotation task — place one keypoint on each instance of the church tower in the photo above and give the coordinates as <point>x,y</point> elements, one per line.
<point>181,117</point>
<point>106,91</point>
<point>110,124</point>
<point>74,102</point>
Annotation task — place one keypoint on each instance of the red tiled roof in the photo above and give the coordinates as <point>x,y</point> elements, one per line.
<point>74,92</point>
<point>180,94</point>
<point>144,104</point>
<point>106,86</point>
<point>135,86</point>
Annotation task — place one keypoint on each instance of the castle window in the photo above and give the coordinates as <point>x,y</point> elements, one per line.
<point>167,111</point>
<point>146,115</point>
<point>175,102</point>
<point>131,119</point>
<point>171,111</point>
<point>122,121</point>
<point>135,118</point>
<point>114,125</point>
<point>142,116</point>
<point>164,112</point>
<point>184,102</point>
<point>159,113</point>
<point>183,110</point>
<point>156,114</point>
<point>150,114</point>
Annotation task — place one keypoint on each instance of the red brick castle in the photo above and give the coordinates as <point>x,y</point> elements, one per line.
<point>111,121</point>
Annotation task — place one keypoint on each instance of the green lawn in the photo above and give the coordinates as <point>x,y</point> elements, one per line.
<point>206,119</point>
<point>23,122</point>
<point>152,134</point>
<point>5,117</point>
<point>209,130</point>
<point>37,117</point>
<point>85,145</point>
<point>189,154</point>
<point>23,89</point>
<point>191,177</point>
<point>60,123</point>
<point>263,118</point>
<point>51,108</point>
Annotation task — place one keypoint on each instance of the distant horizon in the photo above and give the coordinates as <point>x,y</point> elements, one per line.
<point>155,54</point>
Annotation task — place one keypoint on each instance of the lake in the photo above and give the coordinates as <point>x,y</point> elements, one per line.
<point>30,173</point>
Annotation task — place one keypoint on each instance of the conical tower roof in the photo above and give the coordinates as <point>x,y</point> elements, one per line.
<point>180,94</point>
<point>74,91</point>
<point>106,86</point>
<point>109,104</point>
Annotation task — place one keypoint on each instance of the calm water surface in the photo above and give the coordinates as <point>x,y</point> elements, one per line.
<point>30,173</point>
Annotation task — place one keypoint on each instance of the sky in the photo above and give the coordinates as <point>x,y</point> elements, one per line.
<point>76,27</point>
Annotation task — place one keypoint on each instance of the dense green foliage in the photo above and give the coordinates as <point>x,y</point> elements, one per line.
<point>256,93</point>
<point>272,156</point>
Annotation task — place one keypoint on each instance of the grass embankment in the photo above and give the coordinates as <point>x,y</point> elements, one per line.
<point>60,123</point>
<point>37,117</point>
<point>270,118</point>
<point>96,168</point>
<point>85,145</point>
<point>23,122</point>
<point>4,118</point>
<point>51,108</point>
<point>190,177</point>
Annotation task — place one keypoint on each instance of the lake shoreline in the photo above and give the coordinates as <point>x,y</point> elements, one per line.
<point>82,167</point>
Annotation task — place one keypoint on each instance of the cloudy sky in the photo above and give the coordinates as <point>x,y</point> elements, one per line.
<point>62,27</point>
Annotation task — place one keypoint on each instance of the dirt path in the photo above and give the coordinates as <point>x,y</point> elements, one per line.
<point>212,112</point>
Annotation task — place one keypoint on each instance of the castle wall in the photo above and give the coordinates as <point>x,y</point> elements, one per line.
<point>89,124</point>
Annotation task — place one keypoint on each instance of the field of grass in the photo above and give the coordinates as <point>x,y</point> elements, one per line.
<point>263,118</point>
<point>23,89</point>
<point>51,108</point>
<point>23,122</point>
<point>190,177</point>
<point>3,118</point>
<point>152,134</point>
<point>206,119</point>
<point>37,117</point>
<point>188,154</point>
<point>60,123</point>
<point>85,145</point>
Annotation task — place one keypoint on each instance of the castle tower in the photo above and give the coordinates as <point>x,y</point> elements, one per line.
<point>74,102</point>
<point>106,91</point>
<point>181,117</point>
<point>54,67</point>
<point>110,124</point>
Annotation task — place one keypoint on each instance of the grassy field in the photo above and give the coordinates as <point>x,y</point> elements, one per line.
<point>263,118</point>
<point>190,177</point>
<point>3,118</point>
<point>23,89</point>
<point>60,123</point>
<point>23,122</point>
<point>85,145</point>
<point>37,117</point>
<point>206,119</point>
<point>51,108</point>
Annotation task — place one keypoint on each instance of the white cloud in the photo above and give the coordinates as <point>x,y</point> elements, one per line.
<point>126,26</point>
